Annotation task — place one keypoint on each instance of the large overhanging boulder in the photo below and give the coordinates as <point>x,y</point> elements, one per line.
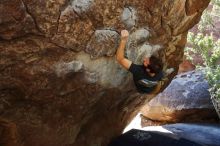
<point>59,81</point>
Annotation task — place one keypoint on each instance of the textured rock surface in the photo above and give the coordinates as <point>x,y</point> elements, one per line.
<point>103,43</point>
<point>186,99</point>
<point>9,134</point>
<point>59,81</point>
<point>171,135</point>
<point>186,66</point>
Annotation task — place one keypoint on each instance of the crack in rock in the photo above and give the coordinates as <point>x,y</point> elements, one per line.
<point>31,15</point>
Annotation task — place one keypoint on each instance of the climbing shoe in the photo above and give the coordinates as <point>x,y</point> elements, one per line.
<point>147,83</point>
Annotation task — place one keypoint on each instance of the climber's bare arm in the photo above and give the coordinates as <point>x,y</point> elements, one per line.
<point>120,55</point>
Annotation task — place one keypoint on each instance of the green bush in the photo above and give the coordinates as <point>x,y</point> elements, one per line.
<point>216,2</point>
<point>206,46</point>
<point>209,49</point>
<point>207,22</point>
<point>213,76</point>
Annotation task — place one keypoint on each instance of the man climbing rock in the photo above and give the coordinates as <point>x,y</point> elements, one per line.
<point>145,76</point>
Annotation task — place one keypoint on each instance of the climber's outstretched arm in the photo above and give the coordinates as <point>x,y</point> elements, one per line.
<point>121,50</point>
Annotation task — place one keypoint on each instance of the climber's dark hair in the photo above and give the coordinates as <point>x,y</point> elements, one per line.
<point>155,65</point>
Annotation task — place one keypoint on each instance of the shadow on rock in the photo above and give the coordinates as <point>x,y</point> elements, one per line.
<point>145,138</point>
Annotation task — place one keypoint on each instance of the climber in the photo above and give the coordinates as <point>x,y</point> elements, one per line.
<point>145,76</point>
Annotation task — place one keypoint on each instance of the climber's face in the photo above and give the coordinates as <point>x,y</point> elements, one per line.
<point>146,61</point>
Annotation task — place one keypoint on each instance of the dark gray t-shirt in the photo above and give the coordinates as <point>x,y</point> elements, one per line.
<point>139,73</point>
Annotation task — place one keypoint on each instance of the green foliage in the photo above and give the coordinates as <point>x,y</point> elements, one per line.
<point>213,76</point>
<point>209,49</point>
<point>206,21</point>
<point>206,46</point>
<point>216,2</point>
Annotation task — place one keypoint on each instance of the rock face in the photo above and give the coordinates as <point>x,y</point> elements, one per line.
<point>59,82</point>
<point>186,99</point>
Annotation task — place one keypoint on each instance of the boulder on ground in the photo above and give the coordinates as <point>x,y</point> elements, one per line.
<point>171,135</point>
<point>186,99</point>
<point>186,66</point>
